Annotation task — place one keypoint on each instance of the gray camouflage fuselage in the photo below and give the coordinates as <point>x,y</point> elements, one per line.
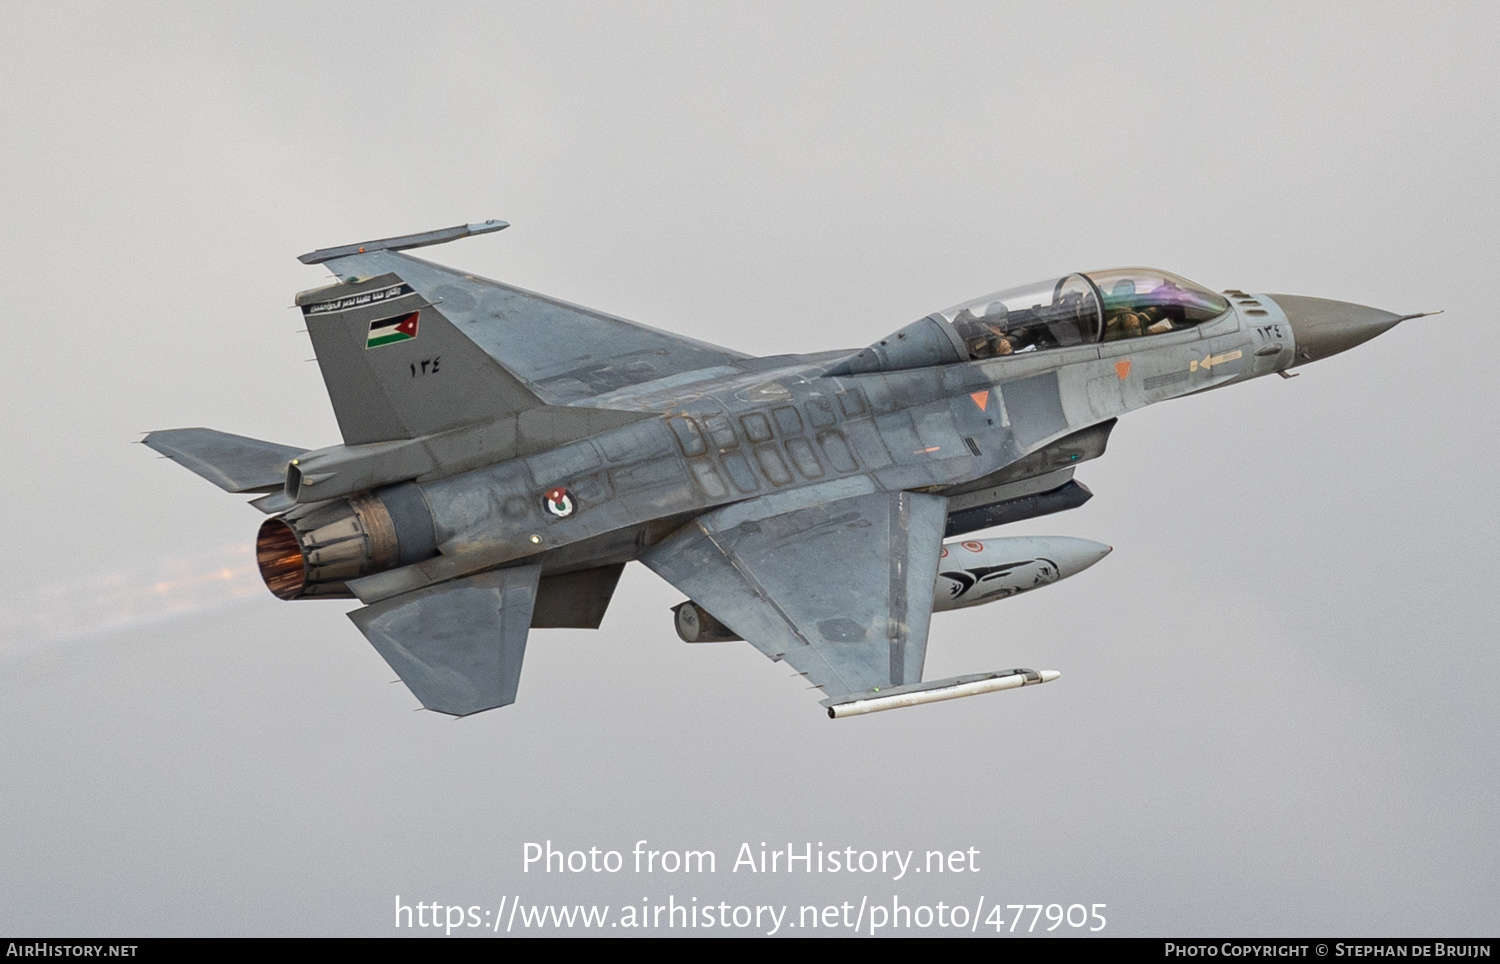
<point>832,436</point>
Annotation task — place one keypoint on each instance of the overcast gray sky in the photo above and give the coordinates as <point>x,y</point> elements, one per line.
<point>1278,710</point>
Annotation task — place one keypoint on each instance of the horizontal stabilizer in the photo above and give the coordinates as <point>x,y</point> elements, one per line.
<point>404,241</point>
<point>232,462</point>
<point>457,646</point>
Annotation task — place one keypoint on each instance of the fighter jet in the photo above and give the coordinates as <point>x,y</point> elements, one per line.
<point>505,454</point>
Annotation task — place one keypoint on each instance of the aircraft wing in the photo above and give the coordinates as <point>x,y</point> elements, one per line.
<point>841,590</point>
<point>561,351</point>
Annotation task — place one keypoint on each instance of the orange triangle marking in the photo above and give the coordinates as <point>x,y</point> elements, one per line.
<point>1122,368</point>
<point>981,398</point>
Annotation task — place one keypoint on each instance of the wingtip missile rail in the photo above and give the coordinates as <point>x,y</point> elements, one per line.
<point>952,688</point>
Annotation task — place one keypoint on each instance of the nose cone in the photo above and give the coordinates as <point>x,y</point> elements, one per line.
<point>1074,555</point>
<point>1323,327</point>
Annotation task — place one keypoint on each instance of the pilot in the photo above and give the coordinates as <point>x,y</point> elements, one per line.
<point>975,337</point>
<point>999,342</point>
<point>1154,320</point>
<point>990,341</point>
<point>1126,324</point>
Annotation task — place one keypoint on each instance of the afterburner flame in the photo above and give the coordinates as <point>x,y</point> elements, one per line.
<point>280,559</point>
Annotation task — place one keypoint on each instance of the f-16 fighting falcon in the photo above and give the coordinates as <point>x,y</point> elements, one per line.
<point>505,454</point>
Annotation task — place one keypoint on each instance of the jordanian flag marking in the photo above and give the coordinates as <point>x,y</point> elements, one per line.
<point>391,330</point>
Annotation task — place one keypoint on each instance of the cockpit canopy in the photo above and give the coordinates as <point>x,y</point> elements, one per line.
<point>1081,309</point>
<point>1078,309</point>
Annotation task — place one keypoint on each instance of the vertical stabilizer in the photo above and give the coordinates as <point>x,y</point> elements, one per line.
<point>396,368</point>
